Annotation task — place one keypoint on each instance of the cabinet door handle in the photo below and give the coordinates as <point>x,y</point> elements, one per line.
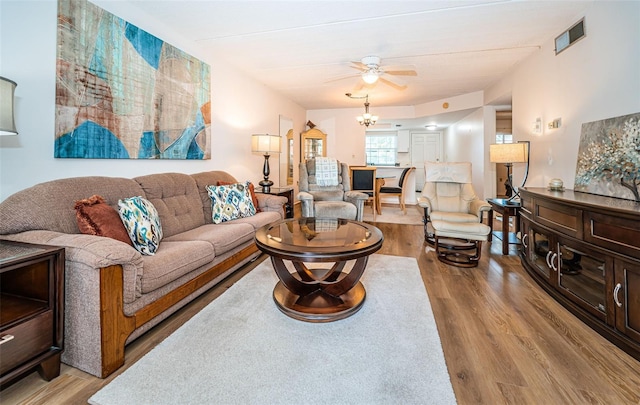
<point>616,291</point>
<point>524,240</point>
<point>4,339</point>
<point>549,253</point>
<point>553,262</point>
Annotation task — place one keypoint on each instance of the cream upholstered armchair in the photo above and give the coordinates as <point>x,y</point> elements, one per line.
<point>325,190</point>
<point>448,195</point>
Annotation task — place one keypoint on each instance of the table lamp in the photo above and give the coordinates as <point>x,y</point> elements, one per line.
<point>7,121</point>
<point>265,143</point>
<point>508,154</point>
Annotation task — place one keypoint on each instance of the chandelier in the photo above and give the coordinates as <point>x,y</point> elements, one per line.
<point>367,119</point>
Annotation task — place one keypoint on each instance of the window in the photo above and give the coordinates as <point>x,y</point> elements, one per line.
<point>381,149</point>
<point>504,138</point>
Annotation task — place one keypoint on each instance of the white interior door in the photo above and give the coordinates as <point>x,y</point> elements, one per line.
<point>425,147</point>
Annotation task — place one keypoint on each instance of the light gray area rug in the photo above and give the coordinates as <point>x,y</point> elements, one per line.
<point>241,349</point>
<point>394,215</point>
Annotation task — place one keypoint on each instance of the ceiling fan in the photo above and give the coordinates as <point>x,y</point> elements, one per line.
<point>371,71</point>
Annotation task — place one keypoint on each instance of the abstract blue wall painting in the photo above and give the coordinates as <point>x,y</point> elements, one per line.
<point>122,93</point>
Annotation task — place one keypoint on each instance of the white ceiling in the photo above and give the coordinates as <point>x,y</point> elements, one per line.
<point>294,47</point>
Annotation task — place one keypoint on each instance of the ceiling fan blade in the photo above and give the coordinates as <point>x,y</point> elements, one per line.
<point>359,66</point>
<point>392,84</point>
<point>401,72</point>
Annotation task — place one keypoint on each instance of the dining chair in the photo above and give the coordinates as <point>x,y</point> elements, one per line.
<point>363,179</point>
<point>401,190</point>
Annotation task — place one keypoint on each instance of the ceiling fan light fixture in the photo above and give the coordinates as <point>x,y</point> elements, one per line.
<point>370,76</point>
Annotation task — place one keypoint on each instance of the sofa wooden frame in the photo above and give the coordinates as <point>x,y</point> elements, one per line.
<point>115,326</point>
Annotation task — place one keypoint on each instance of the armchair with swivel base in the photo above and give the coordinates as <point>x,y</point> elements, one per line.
<point>325,190</point>
<point>452,211</point>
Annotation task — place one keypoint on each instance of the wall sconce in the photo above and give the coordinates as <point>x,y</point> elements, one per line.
<point>265,143</point>
<point>508,154</point>
<point>555,124</point>
<point>7,121</point>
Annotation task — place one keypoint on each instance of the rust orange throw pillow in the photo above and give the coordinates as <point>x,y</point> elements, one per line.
<point>252,191</point>
<point>96,217</point>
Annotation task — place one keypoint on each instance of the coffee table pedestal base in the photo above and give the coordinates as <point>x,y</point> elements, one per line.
<point>319,307</point>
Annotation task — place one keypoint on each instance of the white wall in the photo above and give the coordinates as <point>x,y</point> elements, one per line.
<point>240,105</point>
<point>465,142</point>
<point>596,78</point>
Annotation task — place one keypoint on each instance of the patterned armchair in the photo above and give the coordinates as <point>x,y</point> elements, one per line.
<point>329,201</point>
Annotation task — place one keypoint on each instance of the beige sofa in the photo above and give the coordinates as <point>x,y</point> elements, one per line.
<point>113,294</point>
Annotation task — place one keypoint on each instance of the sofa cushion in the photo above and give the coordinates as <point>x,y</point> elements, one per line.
<point>96,217</point>
<point>258,220</point>
<point>173,260</point>
<point>142,222</point>
<point>176,197</point>
<point>230,202</point>
<point>223,237</point>
<point>252,191</point>
<point>204,179</point>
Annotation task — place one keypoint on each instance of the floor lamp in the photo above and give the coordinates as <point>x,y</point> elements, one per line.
<point>508,154</point>
<point>266,144</point>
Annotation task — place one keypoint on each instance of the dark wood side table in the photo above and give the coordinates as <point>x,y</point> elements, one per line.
<point>282,192</point>
<point>507,209</point>
<point>31,310</point>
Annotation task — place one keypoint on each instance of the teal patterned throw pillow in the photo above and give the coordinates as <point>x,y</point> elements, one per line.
<point>142,222</point>
<point>230,202</point>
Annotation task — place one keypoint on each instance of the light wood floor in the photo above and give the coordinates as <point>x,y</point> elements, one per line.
<point>505,341</point>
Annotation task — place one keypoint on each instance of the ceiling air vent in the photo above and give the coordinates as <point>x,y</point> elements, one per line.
<point>570,36</point>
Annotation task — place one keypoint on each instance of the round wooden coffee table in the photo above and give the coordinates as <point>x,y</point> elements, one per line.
<point>326,293</point>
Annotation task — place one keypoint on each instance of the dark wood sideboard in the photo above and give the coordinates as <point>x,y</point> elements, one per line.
<point>584,250</point>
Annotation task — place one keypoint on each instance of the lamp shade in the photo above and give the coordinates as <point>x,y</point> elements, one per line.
<point>508,152</point>
<point>7,123</point>
<point>265,143</point>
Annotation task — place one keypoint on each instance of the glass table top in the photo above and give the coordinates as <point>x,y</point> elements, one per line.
<point>318,234</point>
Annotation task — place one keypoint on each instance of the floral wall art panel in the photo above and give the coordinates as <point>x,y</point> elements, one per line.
<point>609,158</point>
<point>122,93</point>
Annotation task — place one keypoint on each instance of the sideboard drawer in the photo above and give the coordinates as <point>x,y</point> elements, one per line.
<point>526,205</point>
<point>30,338</point>
<point>619,234</point>
<point>562,218</point>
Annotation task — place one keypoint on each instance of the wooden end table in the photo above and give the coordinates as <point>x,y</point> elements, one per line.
<point>320,294</point>
<point>507,209</point>
<point>31,310</point>
<point>282,192</point>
